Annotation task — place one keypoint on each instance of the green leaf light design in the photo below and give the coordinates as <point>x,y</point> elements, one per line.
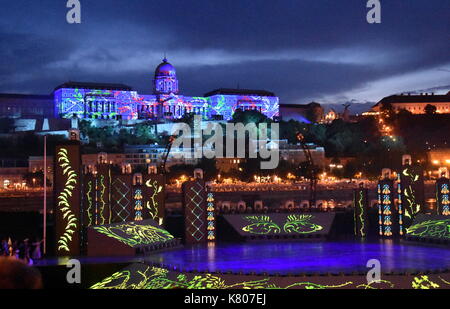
<point>152,205</point>
<point>301,224</point>
<point>431,229</point>
<point>261,225</point>
<point>63,200</point>
<point>134,234</point>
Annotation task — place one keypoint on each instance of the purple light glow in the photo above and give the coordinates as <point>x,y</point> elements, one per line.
<point>305,257</point>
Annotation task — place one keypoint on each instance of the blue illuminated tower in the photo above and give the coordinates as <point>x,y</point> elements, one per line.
<point>165,81</point>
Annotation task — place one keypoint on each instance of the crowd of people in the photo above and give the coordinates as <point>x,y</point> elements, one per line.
<point>25,250</point>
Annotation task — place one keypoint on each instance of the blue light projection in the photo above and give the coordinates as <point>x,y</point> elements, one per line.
<point>102,104</point>
<point>165,102</point>
<point>296,257</point>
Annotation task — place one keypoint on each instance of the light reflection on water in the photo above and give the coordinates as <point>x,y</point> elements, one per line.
<point>305,257</point>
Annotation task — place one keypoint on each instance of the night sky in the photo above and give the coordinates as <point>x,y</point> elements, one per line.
<point>322,50</point>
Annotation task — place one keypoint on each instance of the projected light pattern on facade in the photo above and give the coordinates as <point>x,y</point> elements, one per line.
<point>134,234</point>
<point>122,102</point>
<point>96,104</point>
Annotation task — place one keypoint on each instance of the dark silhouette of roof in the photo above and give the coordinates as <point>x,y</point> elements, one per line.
<point>305,106</point>
<point>415,98</point>
<point>54,124</point>
<point>26,96</point>
<point>228,91</point>
<point>100,86</point>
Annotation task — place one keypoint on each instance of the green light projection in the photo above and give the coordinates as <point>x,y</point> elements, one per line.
<point>410,202</point>
<point>153,205</point>
<point>63,200</point>
<point>264,225</point>
<point>261,225</point>
<point>89,199</point>
<point>431,229</point>
<point>301,224</point>
<point>141,276</point>
<point>134,234</point>
<point>102,199</point>
<point>360,206</point>
<point>149,277</point>
<point>424,283</point>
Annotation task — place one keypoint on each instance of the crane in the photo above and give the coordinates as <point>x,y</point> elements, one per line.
<point>166,154</point>
<point>311,170</point>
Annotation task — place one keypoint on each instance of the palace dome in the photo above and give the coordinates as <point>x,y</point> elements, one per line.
<point>165,69</point>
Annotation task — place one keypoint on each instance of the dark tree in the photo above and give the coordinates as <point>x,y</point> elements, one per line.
<point>430,109</point>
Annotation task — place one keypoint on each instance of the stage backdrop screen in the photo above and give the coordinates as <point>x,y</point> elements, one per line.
<point>430,226</point>
<point>281,224</point>
<point>135,233</point>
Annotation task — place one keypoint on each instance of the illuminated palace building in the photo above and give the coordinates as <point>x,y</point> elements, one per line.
<point>416,103</point>
<point>114,101</point>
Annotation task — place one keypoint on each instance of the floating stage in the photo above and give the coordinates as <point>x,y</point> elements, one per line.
<point>254,265</point>
<point>294,263</point>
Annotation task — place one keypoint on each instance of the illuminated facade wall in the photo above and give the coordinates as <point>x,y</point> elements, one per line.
<point>361,202</point>
<point>110,104</point>
<point>67,199</point>
<point>387,214</point>
<point>442,196</point>
<point>165,102</point>
<point>194,197</point>
<point>410,187</point>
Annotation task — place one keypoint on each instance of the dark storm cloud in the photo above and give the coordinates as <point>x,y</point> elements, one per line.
<point>122,41</point>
